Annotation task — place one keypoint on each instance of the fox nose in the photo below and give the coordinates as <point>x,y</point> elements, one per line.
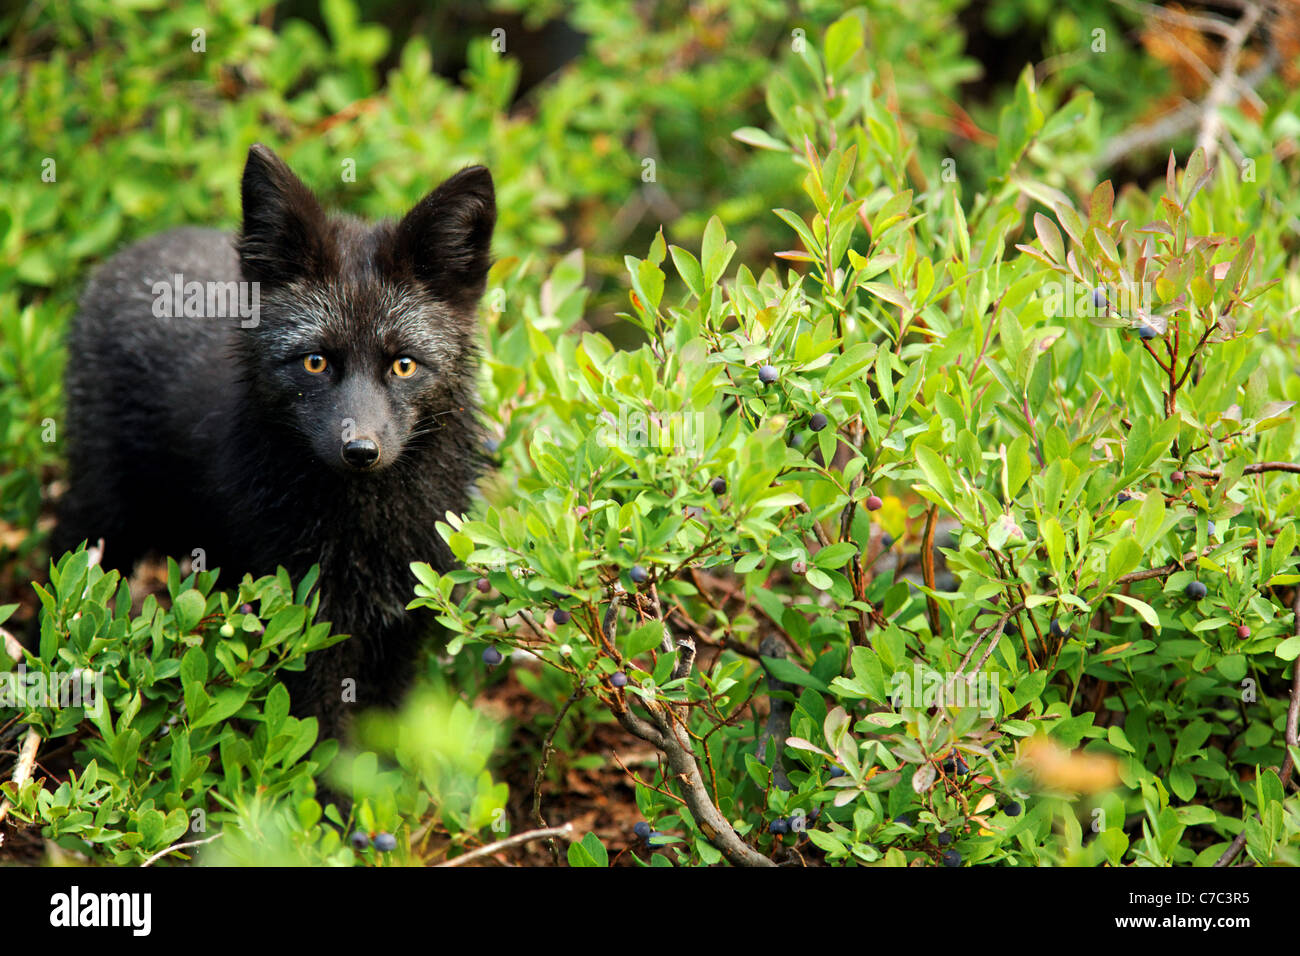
<point>361,453</point>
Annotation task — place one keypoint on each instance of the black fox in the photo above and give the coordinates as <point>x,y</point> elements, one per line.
<point>332,424</point>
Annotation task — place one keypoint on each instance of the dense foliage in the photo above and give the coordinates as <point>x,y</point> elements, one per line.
<point>1123,563</point>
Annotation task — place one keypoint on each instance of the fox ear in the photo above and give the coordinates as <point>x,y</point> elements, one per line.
<point>284,236</point>
<point>447,238</point>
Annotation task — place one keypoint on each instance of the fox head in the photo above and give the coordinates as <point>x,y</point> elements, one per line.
<point>365,343</point>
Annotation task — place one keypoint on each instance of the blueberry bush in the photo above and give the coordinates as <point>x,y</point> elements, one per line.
<point>188,736</point>
<point>1092,397</point>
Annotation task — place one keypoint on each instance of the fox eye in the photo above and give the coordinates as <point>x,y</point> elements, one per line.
<point>314,363</point>
<point>404,367</point>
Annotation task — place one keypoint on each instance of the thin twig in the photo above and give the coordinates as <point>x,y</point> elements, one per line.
<point>23,770</point>
<point>1189,115</point>
<point>1206,24</point>
<point>1170,568</point>
<point>665,736</point>
<point>180,846</point>
<point>639,782</point>
<point>1212,120</point>
<point>666,733</point>
<point>1256,469</point>
<point>565,831</point>
<point>822,537</point>
<point>927,569</point>
<point>547,750</point>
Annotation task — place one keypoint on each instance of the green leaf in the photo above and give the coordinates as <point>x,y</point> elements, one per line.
<point>715,252</point>
<point>1054,538</point>
<point>1118,739</point>
<point>835,555</point>
<point>757,137</point>
<point>580,857</point>
<point>1050,237</point>
<point>789,672</point>
<point>461,544</point>
<point>644,638</point>
<point>819,579</point>
<point>843,40</point>
<point>688,267</point>
<point>1144,609</point>
<point>1289,649</point>
<point>187,610</point>
<point>595,850</point>
<point>936,471</point>
<point>1122,558</point>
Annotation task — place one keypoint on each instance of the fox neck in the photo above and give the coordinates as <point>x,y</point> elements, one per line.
<point>325,515</point>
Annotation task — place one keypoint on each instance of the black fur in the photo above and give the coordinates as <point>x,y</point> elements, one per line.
<point>192,433</point>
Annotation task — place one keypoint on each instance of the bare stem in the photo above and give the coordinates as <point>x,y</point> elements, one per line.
<point>565,831</point>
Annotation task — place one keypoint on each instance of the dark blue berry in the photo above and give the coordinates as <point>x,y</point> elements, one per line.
<point>886,541</point>
<point>492,657</point>
<point>1147,332</point>
<point>1195,590</point>
<point>1057,630</point>
<point>561,616</point>
<point>639,574</point>
<point>385,842</point>
<point>1123,496</point>
<point>818,421</point>
<point>951,858</point>
<point>779,826</point>
<point>719,486</point>
<point>484,585</point>
<point>768,374</point>
<point>837,772</point>
<point>945,838</point>
<point>360,841</point>
<point>618,679</point>
<point>642,829</point>
<point>904,818</point>
<point>1099,298</point>
<point>1012,809</point>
